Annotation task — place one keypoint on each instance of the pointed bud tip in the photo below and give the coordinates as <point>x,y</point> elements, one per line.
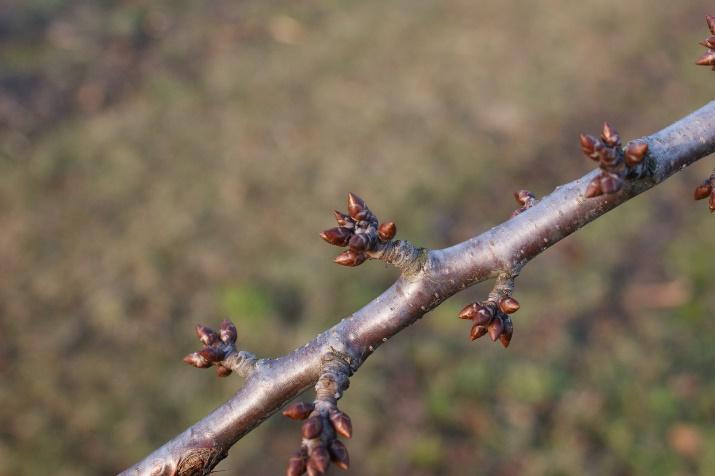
<point>342,423</point>
<point>387,231</point>
<point>509,305</point>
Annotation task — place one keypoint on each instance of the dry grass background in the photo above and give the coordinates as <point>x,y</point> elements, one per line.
<point>168,163</point>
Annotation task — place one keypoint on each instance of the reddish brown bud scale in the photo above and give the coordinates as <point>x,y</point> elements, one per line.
<point>711,202</point>
<point>298,410</point>
<point>509,305</point>
<point>206,335</point>
<point>342,218</point>
<point>611,183</point>
<point>318,460</point>
<point>387,231</point>
<point>594,188</point>
<point>635,152</point>
<point>339,454</point>
<point>588,146</point>
<point>703,190</point>
<point>359,243</point>
<point>297,463</point>
<point>495,329</point>
<point>228,332</point>
<point>197,360</point>
<point>212,354</point>
<point>222,371</point>
<point>711,23</point>
<point>339,236</point>
<point>505,337</point>
<point>312,427</point>
<point>477,331</point>
<point>350,258</point>
<point>342,423</point>
<point>609,135</point>
<point>356,206</point>
<point>469,311</point>
<point>708,59</point>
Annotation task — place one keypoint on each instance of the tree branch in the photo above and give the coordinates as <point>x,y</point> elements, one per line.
<point>498,253</point>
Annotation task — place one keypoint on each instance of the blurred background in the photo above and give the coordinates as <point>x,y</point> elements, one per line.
<point>167,163</point>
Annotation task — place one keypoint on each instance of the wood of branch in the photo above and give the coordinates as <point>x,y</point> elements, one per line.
<point>442,273</point>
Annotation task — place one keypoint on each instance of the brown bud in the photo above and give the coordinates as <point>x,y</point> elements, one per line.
<point>359,242</point>
<point>387,231</point>
<point>339,454</point>
<point>484,316</point>
<point>222,371</point>
<point>319,459</point>
<point>350,258</point>
<point>607,156</point>
<point>298,410</point>
<point>495,329</point>
<point>297,463</point>
<point>610,135</point>
<point>711,202</point>
<point>635,152</point>
<point>703,190</point>
<point>228,332</point>
<point>197,360</point>
<point>524,196</point>
<point>509,305</point>
<point>588,146</point>
<point>477,331</point>
<point>611,183</point>
<point>312,427</point>
<point>206,335</point>
<point>343,219</point>
<point>342,424</point>
<point>339,236</point>
<point>709,42</point>
<point>212,354</point>
<point>708,59</point>
<point>356,205</point>
<point>594,188</point>
<point>469,311</point>
<point>505,337</point>
<point>711,23</point>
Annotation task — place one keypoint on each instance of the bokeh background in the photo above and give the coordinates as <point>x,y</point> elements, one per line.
<point>164,163</point>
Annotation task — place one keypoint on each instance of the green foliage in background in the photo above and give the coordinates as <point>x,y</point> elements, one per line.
<point>164,164</point>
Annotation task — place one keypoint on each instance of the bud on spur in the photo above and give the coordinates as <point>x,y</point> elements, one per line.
<point>610,136</point>
<point>477,332</point>
<point>342,423</point>
<point>356,207</point>
<point>297,463</point>
<point>505,337</point>
<point>594,188</point>
<point>228,332</point>
<point>222,371</point>
<point>319,460</point>
<point>387,231</point>
<point>339,454</point>
<point>495,328</point>
<point>509,305</point>
<point>206,335</point>
<point>298,410</point>
<point>703,190</point>
<point>589,146</point>
<point>635,152</point>
<point>339,236</point>
<point>312,427</point>
<point>197,360</point>
<point>350,258</point>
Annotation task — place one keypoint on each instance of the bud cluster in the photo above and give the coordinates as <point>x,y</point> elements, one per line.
<point>524,198</point>
<point>322,423</point>
<point>616,163</point>
<point>492,317</point>
<point>360,231</point>
<point>707,190</point>
<point>708,59</point>
<point>217,347</point>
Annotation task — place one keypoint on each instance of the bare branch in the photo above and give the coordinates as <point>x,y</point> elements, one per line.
<point>501,251</point>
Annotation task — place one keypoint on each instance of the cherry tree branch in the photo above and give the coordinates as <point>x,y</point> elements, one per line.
<point>428,278</point>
